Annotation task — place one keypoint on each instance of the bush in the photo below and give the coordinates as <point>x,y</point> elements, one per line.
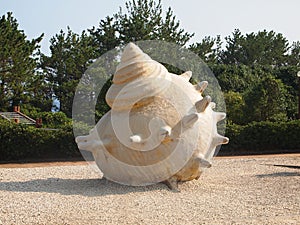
<point>53,119</point>
<point>262,138</point>
<point>235,107</point>
<point>26,143</point>
<point>266,101</point>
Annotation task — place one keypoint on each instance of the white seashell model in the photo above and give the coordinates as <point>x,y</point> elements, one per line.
<point>159,129</point>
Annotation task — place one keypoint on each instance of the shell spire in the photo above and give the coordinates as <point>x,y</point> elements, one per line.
<point>132,59</point>
<point>131,53</point>
<point>136,72</point>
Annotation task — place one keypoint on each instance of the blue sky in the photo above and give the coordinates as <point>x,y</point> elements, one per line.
<point>204,18</point>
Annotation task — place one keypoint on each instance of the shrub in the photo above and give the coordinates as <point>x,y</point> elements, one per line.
<point>263,137</point>
<point>23,142</point>
<point>267,100</point>
<point>235,107</point>
<point>27,143</point>
<point>53,119</point>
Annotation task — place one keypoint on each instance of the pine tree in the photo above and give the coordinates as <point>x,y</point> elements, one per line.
<point>18,62</point>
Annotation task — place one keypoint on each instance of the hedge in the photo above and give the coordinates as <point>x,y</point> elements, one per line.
<point>27,143</point>
<point>262,138</point>
<point>52,120</point>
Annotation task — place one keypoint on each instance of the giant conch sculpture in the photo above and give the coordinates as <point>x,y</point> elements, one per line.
<point>159,129</point>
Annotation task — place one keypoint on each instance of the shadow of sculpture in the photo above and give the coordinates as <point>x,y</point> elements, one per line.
<point>279,174</point>
<point>85,187</point>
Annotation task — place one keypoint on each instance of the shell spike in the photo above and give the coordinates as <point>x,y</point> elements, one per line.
<point>219,116</point>
<point>219,140</point>
<point>201,86</point>
<point>85,143</point>
<point>172,183</point>
<point>203,162</point>
<point>90,142</point>
<point>187,75</point>
<point>203,103</point>
<point>185,123</point>
<point>189,120</point>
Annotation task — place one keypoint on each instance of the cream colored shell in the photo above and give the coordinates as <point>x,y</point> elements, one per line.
<point>160,128</point>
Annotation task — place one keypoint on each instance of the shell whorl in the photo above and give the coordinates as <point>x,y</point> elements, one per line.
<point>137,77</point>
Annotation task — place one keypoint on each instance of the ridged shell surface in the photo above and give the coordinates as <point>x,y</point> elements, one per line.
<point>160,128</point>
<point>136,77</point>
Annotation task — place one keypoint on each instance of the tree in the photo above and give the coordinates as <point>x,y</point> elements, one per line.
<point>237,78</point>
<point>262,48</point>
<point>294,57</point>
<point>18,63</point>
<point>267,100</point>
<point>208,49</point>
<point>169,29</point>
<point>287,74</point>
<point>105,37</point>
<point>233,54</point>
<point>71,55</point>
<point>235,104</point>
<point>142,20</point>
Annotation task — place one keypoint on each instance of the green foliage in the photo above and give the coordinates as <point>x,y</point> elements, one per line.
<point>54,119</point>
<point>71,55</point>
<point>294,57</point>
<point>105,37</point>
<point>262,48</point>
<point>267,100</point>
<point>262,137</point>
<point>267,93</point>
<point>49,119</point>
<point>237,78</point>
<point>235,107</point>
<point>102,107</point>
<point>20,83</point>
<point>208,49</point>
<point>144,21</point>
<point>287,75</point>
<point>21,142</point>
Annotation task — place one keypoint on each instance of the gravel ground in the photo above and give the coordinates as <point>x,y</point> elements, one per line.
<point>234,191</point>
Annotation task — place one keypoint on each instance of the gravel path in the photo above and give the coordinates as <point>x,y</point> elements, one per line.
<point>234,191</point>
